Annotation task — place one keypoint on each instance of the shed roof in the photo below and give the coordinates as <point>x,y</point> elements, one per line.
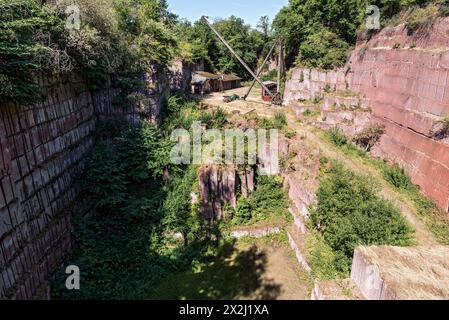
<point>206,75</point>
<point>269,83</point>
<point>229,77</point>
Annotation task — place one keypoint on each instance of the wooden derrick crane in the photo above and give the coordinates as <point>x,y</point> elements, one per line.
<point>276,98</point>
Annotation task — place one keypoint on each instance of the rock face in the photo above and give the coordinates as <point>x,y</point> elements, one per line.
<point>43,147</point>
<point>218,187</point>
<point>406,89</point>
<point>220,184</point>
<point>308,84</point>
<point>395,273</point>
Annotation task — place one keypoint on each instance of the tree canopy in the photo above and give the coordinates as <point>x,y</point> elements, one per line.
<point>318,33</point>
<point>249,43</point>
<point>114,37</point>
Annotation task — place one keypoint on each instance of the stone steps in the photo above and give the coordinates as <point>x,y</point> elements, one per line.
<point>298,245</point>
<point>334,101</point>
<point>254,233</point>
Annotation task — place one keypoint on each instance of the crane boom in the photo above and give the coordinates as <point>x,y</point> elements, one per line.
<point>260,70</point>
<point>274,97</point>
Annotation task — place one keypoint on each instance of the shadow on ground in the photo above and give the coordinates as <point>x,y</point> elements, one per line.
<point>232,274</point>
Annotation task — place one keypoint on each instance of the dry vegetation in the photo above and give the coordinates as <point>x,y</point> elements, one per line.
<point>413,273</point>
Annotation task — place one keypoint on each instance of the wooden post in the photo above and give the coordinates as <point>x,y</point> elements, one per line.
<point>279,68</point>
<point>260,70</point>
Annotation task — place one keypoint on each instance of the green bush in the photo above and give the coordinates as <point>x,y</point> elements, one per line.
<point>144,152</point>
<point>179,213</point>
<point>267,200</point>
<point>349,213</point>
<point>322,258</point>
<point>179,113</point>
<point>120,158</point>
<point>105,181</point>
<point>244,211</point>
<point>397,177</point>
<point>216,119</point>
<point>270,76</point>
<point>280,120</point>
<point>289,133</point>
<point>338,137</point>
<point>368,137</point>
<point>111,128</point>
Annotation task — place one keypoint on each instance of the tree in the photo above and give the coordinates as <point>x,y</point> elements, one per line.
<point>144,153</point>
<point>265,29</point>
<point>323,49</point>
<point>306,21</point>
<point>204,45</point>
<point>302,24</point>
<point>246,42</point>
<point>180,214</point>
<point>264,26</point>
<point>104,181</point>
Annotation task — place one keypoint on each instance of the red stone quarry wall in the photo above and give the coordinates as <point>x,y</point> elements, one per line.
<point>42,150</point>
<point>43,147</point>
<point>408,92</point>
<point>404,80</point>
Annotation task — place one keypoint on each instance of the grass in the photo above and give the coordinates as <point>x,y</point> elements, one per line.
<point>349,212</point>
<point>232,273</point>
<point>267,205</point>
<point>435,219</point>
<point>346,94</point>
<point>321,258</point>
<point>337,137</point>
<point>311,113</point>
<point>413,273</point>
<point>237,271</point>
<point>280,120</point>
<point>422,17</point>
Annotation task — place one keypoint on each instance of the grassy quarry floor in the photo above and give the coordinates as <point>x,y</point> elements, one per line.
<point>400,276</point>
<point>248,268</point>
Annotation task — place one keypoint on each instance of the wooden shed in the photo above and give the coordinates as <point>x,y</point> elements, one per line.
<point>205,82</point>
<point>229,81</point>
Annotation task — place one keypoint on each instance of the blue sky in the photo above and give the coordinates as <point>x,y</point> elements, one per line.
<point>249,10</point>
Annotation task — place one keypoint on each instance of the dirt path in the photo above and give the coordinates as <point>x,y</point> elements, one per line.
<point>245,269</point>
<point>283,271</point>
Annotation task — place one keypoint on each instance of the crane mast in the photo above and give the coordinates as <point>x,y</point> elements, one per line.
<point>275,97</point>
